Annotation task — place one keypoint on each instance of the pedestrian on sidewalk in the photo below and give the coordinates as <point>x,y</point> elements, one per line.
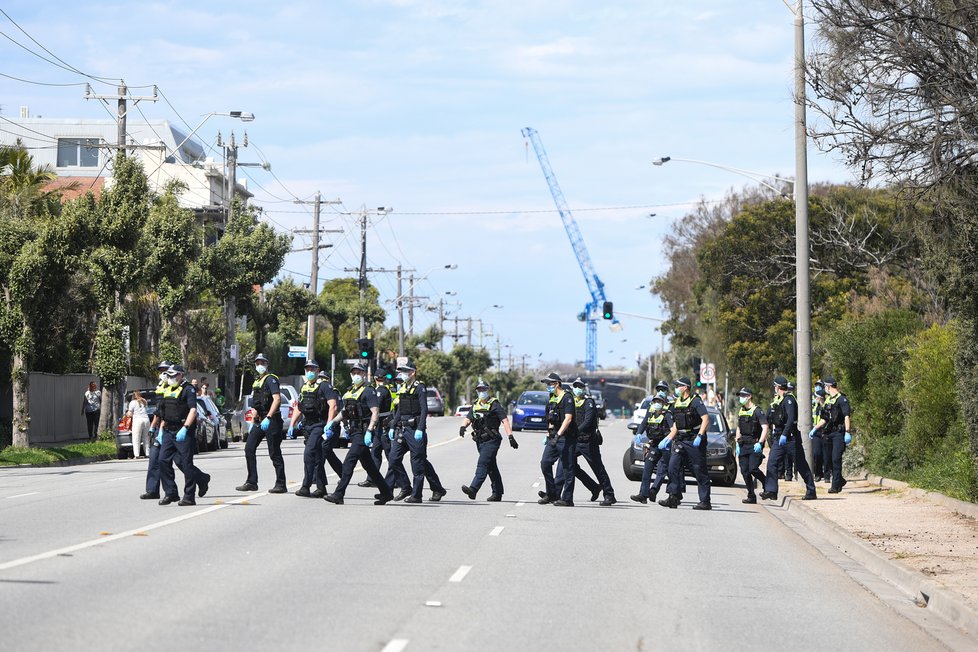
<point>140,424</point>
<point>92,409</point>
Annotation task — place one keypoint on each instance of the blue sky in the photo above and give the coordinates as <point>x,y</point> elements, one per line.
<point>418,105</point>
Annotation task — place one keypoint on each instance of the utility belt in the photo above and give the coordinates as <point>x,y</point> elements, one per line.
<point>174,425</point>
<point>748,440</point>
<point>587,437</point>
<point>686,435</point>
<point>790,435</point>
<point>487,435</point>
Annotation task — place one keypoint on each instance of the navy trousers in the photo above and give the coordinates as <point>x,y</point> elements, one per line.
<point>750,468</point>
<point>181,452</point>
<point>421,468</point>
<point>836,444</point>
<point>591,452</point>
<point>801,464</point>
<point>396,474</point>
<point>657,462</point>
<point>313,456</point>
<point>823,464</point>
<point>486,466</point>
<point>684,453</point>
<point>274,438</point>
<point>360,452</point>
<point>564,451</point>
<point>153,470</point>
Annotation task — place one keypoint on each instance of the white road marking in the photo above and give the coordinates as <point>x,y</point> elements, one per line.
<point>496,531</point>
<point>23,495</point>
<point>536,484</point>
<point>396,645</point>
<point>460,574</point>
<point>23,561</point>
<point>520,504</point>
<point>432,603</point>
<point>511,516</point>
<point>127,477</point>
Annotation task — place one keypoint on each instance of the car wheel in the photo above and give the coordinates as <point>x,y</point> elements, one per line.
<point>223,443</point>
<point>630,472</point>
<point>213,445</point>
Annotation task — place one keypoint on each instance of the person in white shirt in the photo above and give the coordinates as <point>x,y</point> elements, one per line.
<point>140,425</point>
<point>92,408</point>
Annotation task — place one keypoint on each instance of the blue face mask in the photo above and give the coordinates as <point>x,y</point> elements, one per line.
<point>678,392</point>
<point>578,391</point>
<point>552,389</point>
<point>357,379</point>
<point>483,395</point>
<point>311,376</point>
<point>261,369</point>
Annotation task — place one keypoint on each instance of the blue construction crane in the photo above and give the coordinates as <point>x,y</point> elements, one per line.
<point>594,284</point>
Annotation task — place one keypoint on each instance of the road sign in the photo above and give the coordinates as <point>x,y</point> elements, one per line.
<point>297,354</point>
<point>233,352</point>
<point>401,360</point>
<point>708,373</point>
<point>298,348</point>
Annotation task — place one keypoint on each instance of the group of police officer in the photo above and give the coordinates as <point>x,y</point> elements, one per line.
<point>390,422</point>
<point>676,429</point>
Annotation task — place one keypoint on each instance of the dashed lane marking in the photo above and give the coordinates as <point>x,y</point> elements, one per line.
<point>396,645</point>
<point>460,574</point>
<point>536,484</point>
<point>126,477</point>
<point>520,503</point>
<point>32,493</point>
<point>496,531</point>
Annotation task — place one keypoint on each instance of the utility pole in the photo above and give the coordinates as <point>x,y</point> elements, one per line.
<point>499,357</point>
<point>441,324</point>
<point>314,269</point>
<point>803,333</point>
<point>400,315</point>
<point>468,333</point>
<point>363,269</point>
<point>410,304</point>
<point>121,97</point>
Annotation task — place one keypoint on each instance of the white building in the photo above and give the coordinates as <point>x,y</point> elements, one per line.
<point>81,151</point>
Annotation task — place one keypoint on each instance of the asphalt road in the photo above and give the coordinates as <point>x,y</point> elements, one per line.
<point>86,565</point>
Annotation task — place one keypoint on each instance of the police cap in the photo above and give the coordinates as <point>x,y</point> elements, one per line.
<point>311,364</point>
<point>175,370</point>
<point>683,382</point>
<point>356,366</point>
<point>578,382</point>
<point>745,391</point>
<point>829,381</point>
<point>662,386</point>
<point>409,368</point>
<point>482,384</point>
<point>552,377</point>
<point>164,365</point>
<point>260,356</point>
<point>780,381</point>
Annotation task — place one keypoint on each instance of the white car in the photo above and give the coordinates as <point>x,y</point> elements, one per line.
<point>462,410</point>
<point>639,414</point>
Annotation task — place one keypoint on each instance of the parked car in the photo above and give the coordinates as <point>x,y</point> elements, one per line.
<point>638,415</point>
<point>530,411</point>
<point>243,418</point>
<point>436,405</point>
<point>720,459</point>
<point>211,429</point>
<point>463,410</point>
<point>123,438</point>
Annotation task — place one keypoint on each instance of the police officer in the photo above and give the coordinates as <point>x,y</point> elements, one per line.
<point>688,441</point>
<point>485,416</point>
<point>378,448</point>
<point>153,470</point>
<point>317,407</point>
<point>411,419</point>
<point>588,443</point>
<point>361,416</point>
<point>751,435</point>
<point>175,417</point>
<point>655,426</point>
<point>787,467</point>
<point>784,433</point>
<point>394,448</point>
<point>560,445</point>
<point>835,421</point>
<point>265,401</point>
<point>821,452</point>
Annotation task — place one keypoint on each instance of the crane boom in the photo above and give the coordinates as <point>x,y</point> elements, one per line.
<point>594,285</point>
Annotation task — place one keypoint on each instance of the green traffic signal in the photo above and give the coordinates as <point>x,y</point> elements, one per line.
<point>364,354</point>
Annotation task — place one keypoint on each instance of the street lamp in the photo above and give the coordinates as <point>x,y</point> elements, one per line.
<point>243,116</point>
<point>756,177</point>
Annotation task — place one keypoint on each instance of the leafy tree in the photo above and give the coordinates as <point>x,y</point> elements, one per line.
<point>340,303</point>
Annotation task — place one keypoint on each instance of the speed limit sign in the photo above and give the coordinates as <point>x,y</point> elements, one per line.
<point>708,373</point>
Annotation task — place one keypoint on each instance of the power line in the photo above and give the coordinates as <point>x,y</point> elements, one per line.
<point>38,83</point>
<point>553,210</point>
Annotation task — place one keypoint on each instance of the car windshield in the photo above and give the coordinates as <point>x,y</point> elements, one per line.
<point>432,393</point>
<point>534,398</point>
<point>715,424</point>
<point>596,395</point>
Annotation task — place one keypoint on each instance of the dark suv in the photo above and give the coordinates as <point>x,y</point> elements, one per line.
<point>720,459</point>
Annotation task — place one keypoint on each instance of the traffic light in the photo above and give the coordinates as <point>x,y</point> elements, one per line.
<point>601,382</point>
<point>388,376</point>
<point>608,311</point>
<point>366,348</point>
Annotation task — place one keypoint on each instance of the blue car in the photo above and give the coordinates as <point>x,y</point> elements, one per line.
<point>530,412</point>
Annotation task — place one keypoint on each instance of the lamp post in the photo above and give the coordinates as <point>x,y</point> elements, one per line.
<point>756,177</point>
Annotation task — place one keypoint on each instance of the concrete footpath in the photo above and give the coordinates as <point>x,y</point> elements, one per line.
<point>924,544</point>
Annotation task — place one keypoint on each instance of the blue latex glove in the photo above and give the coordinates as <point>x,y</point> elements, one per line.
<point>782,440</point>
<point>265,423</point>
<point>328,432</point>
<point>638,440</point>
<point>697,441</point>
<point>665,444</point>
<point>390,434</point>
<point>737,450</point>
<point>159,438</point>
<point>368,438</point>
<point>811,435</point>
<point>182,433</point>
<point>418,435</point>
<point>847,439</point>
<point>758,447</point>
<point>290,434</point>
<point>544,442</point>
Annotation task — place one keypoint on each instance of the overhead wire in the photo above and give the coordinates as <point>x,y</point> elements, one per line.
<point>39,83</point>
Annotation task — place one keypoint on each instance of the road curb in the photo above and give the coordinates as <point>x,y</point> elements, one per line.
<point>960,506</point>
<point>71,462</point>
<point>947,604</point>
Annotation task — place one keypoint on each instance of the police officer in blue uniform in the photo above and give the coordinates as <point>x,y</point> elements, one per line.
<point>821,453</point>
<point>560,445</point>
<point>588,443</point>
<point>392,442</point>
<point>784,433</point>
<point>835,422</point>
<point>153,470</point>
<point>486,416</point>
<point>688,441</point>
<point>361,417</point>
<point>655,426</point>
<point>751,435</point>
<point>378,450</point>
<point>175,417</point>
<point>317,407</point>
<point>411,420</point>
<point>265,400</point>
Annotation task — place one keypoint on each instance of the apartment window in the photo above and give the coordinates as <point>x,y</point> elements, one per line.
<point>78,152</point>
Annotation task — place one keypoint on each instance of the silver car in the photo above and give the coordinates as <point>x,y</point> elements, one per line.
<point>436,405</point>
